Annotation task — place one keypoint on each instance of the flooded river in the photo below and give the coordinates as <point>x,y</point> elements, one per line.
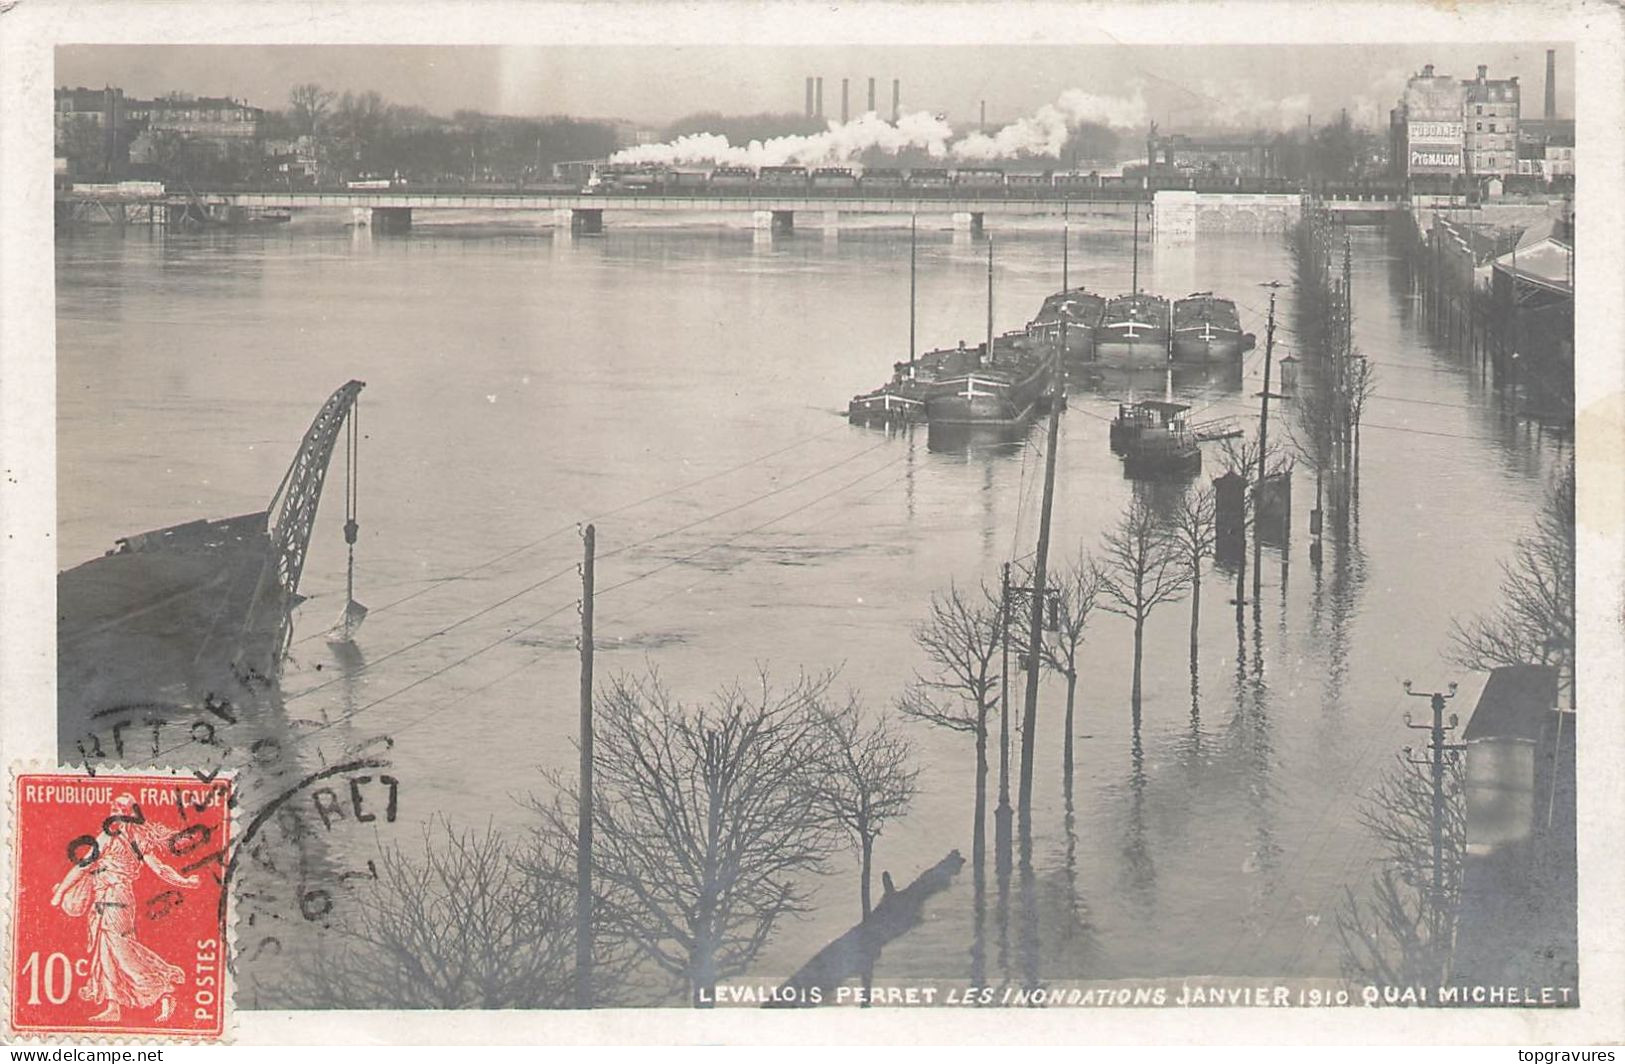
<point>684,388</point>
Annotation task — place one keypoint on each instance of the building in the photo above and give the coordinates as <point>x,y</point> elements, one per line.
<point>218,122</point>
<point>1428,126</point>
<point>1516,922</point>
<point>1490,124</point>
<point>93,129</point>
<point>1546,148</point>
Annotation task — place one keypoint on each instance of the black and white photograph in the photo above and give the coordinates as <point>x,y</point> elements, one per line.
<point>754,523</point>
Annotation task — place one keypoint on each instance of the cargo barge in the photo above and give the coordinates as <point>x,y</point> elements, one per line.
<point>1077,312</point>
<point>1134,332</point>
<point>1207,329</point>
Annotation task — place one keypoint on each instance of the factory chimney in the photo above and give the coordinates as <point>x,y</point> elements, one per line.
<point>984,116</point>
<point>818,87</point>
<point>1551,84</point>
<point>896,99</point>
<point>871,94</point>
<point>844,113</point>
<point>809,97</point>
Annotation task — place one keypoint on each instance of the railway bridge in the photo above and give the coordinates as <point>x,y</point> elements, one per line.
<point>1164,211</point>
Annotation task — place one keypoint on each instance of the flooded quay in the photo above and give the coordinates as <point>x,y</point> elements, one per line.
<point>683,388</point>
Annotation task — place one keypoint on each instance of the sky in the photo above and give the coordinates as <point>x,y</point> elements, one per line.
<point>1274,86</point>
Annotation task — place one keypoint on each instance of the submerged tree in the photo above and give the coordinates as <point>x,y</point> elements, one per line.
<point>1140,570</point>
<point>1402,934</point>
<point>865,782</point>
<point>464,922</point>
<point>1534,621</point>
<point>1076,589</point>
<point>706,823</point>
<point>1192,527</point>
<point>961,638</point>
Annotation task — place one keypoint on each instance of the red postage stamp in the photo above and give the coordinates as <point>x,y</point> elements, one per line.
<point>119,905</point>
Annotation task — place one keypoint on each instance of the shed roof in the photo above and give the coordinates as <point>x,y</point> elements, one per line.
<point>1515,703</point>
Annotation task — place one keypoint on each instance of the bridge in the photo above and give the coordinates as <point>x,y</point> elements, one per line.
<point>1165,211</point>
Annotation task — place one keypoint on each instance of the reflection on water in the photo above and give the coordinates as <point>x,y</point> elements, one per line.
<point>683,389</point>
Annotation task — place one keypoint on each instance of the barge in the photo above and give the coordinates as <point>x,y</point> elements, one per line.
<point>1133,332</point>
<point>1207,329</point>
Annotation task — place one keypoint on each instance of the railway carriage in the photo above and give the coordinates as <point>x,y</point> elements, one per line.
<point>782,177</point>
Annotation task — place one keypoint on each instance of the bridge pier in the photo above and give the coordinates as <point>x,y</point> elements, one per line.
<point>968,222</point>
<point>587,220</point>
<point>391,219</point>
<point>832,221</point>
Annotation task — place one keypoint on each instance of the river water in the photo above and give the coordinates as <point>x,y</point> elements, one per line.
<point>683,385</point>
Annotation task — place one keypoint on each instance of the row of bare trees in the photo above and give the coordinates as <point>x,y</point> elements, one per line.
<point>711,824</point>
<point>1152,556</point>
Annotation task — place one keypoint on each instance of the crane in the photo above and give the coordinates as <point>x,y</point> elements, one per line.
<point>265,632</point>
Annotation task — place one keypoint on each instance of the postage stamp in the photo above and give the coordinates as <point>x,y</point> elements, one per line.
<point>119,925</point>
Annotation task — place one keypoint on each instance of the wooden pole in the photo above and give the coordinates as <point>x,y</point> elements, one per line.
<point>584,823</point>
<point>1040,591</point>
<point>1263,451</point>
<point>1001,815</point>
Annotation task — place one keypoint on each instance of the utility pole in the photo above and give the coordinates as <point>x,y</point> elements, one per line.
<point>584,823</point>
<point>1001,815</point>
<point>1263,448</point>
<point>1438,753</point>
<point>1040,592</point>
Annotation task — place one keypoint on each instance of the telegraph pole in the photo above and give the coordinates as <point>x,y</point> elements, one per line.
<point>584,823</point>
<point>1040,592</point>
<point>1001,815</point>
<point>1263,448</point>
<point>1439,752</point>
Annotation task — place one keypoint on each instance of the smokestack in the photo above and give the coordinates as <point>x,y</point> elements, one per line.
<point>809,97</point>
<point>896,99</point>
<point>984,116</point>
<point>1551,84</point>
<point>818,111</point>
<point>871,94</point>
<point>844,113</point>
<point>1483,71</point>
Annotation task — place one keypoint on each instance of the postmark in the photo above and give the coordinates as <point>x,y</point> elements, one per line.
<point>120,906</point>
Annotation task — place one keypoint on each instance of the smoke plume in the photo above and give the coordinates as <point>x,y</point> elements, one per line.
<point>1045,132</point>
<point>840,143</point>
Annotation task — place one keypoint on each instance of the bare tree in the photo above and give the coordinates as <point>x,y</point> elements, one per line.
<point>308,107</point>
<point>1140,570</point>
<point>960,638</point>
<point>1362,385</point>
<point>1402,934</point>
<point>866,781</point>
<point>464,923</point>
<point>705,825</point>
<point>1192,528</point>
<point>1077,588</point>
<point>1534,621</point>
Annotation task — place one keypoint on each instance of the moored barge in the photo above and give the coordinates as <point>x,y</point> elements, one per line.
<point>1133,331</point>
<point>1207,329</point>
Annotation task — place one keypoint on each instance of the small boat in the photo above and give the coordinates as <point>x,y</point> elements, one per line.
<point>1081,311</point>
<point>1206,329</point>
<point>1154,440</point>
<point>1133,332</point>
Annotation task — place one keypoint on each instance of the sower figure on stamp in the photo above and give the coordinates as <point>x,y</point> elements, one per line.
<point>122,970</point>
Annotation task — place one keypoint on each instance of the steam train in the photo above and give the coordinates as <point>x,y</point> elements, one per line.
<point>631,179</point>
